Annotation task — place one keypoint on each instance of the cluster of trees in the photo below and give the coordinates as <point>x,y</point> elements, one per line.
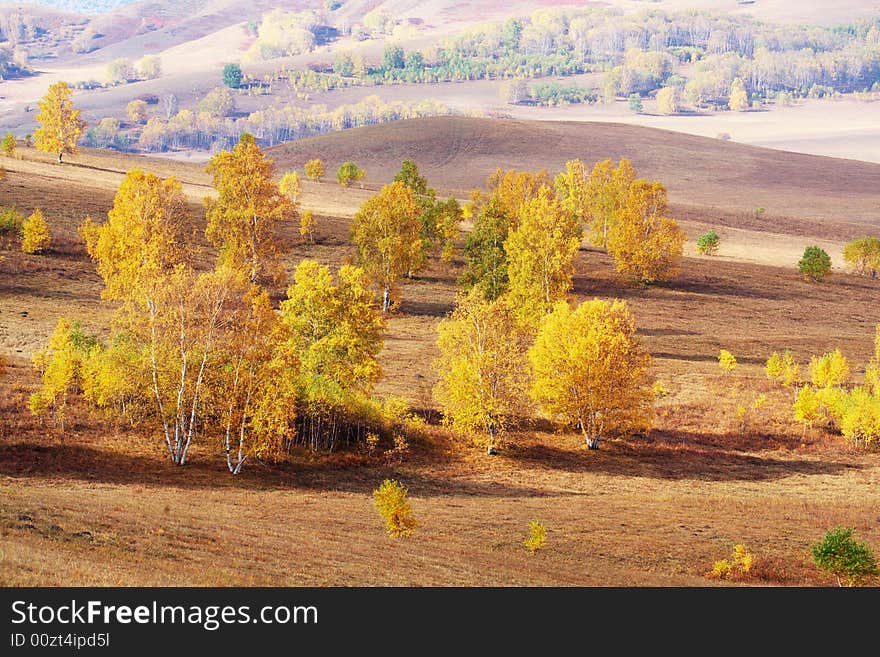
<point>546,93</point>
<point>587,367</point>
<point>207,130</point>
<point>530,215</point>
<point>122,70</point>
<point>203,354</point>
<point>829,394</point>
<point>396,230</point>
<point>582,365</point>
<point>282,33</point>
<point>735,57</point>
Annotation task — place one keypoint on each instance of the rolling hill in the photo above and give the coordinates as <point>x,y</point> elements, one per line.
<point>457,154</point>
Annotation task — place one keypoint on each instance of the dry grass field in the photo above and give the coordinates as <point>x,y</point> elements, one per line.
<point>101,505</point>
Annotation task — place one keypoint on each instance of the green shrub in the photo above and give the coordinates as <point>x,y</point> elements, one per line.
<point>349,172</point>
<point>708,244</point>
<point>851,562</point>
<point>10,221</point>
<point>232,76</point>
<point>815,264</point>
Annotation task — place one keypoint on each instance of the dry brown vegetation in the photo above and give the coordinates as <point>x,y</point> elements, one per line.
<point>100,505</point>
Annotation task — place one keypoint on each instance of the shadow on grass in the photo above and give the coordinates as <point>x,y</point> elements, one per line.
<point>687,456</point>
<point>26,461</point>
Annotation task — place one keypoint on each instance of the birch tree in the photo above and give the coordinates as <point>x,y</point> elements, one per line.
<point>481,366</point>
<point>589,370</point>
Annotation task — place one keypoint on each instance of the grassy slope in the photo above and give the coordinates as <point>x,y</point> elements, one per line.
<point>459,153</point>
<point>101,506</point>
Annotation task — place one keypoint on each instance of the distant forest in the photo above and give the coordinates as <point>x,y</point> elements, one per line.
<point>78,6</point>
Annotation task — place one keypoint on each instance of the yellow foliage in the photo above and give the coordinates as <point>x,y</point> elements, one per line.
<point>136,111</point>
<point>783,369</point>
<point>307,225</point>
<point>721,569</point>
<point>540,253</point>
<point>60,124</point>
<point>241,220</point>
<point>60,366</point>
<point>740,563</point>
<point>35,234</point>
<point>605,196</point>
<point>314,170</point>
<point>334,328</point>
<point>742,558</point>
<point>760,402</point>
<point>514,188</point>
<point>667,100</point>
<point>143,239</point>
<point>829,370</point>
<point>726,361</point>
<point>590,370</point>
<point>290,186</point>
<point>480,367</point>
<point>387,234</point>
<point>537,536</point>
<point>872,371</point>
<point>394,507</point>
<point>646,245</point>
<point>860,416</point>
<point>806,406</point>
<point>659,389</point>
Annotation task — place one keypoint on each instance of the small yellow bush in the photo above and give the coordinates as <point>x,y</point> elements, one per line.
<point>726,361</point>
<point>740,563</point>
<point>537,536</point>
<point>721,569</point>
<point>307,225</point>
<point>742,558</point>
<point>35,235</point>
<point>659,389</point>
<point>392,504</point>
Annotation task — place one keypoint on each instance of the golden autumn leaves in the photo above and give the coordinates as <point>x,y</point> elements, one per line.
<point>205,353</point>
<point>515,338</point>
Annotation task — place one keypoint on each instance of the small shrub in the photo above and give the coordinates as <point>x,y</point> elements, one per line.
<point>349,172</point>
<point>392,504</point>
<point>659,389</point>
<point>815,263</point>
<point>851,562</point>
<point>830,370</point>
<point>314,170</point>
<point>806,407</point>
<point>742,558</point>
<point>10,220</point>
<point>783,369</point>
<point>232,76</point>
<point>35,235</point>
<point>399,451</point>
<point>371,443</point>
<point>726,361</point>
<point>537,536</point>
<point>707,244</point>
<point>721,569</point>
<point>307,226</point>
<point>8,145</point>
<point>737,566</point>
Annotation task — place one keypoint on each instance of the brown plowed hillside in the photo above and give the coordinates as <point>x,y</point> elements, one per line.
<point>457,154</point>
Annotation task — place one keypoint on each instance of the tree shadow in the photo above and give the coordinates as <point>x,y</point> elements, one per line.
<point>694,456</point>
<point>425,308</point>
<point>27,461</point>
